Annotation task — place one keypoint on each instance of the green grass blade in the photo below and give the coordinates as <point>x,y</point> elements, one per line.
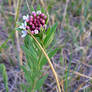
<point>5,77</point>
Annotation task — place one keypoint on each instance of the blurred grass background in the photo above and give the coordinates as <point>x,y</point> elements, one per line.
<point>73,37</point>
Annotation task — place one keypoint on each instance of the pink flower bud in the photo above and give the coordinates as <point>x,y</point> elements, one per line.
<point>40,25</point>
<point>38,17</point>
<point>32,32</point>
<point>30,23</point>
<point>38,21</point>
<point>43,22</point>
<point>42,15</point>
<point>45,17</point>
<point>34,23</point>
<point>39,28</point>
<point>31,17</point>
<point>34,14</point>
<point>27,27</point>
<point>35,20</point>
<point>33,27</point>
<point>27,20</point>
<point>37,24</point>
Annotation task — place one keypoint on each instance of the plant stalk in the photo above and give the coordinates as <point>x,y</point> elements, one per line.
<point>50,64</point>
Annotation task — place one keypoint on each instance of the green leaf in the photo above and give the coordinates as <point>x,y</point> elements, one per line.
<point>25,87</point>
<point>42,10</point>
<point>29,47</point>
<point>51,53</point>
<point>4,45</point>
<point>31,59</point>
<point>38,7</point>
<point>48,31</point>
<point>29,44</point>
<point>32,8</point>
<point>18,29</point>
<point>50,36</point>
<point>27,74</point>
<point>40,82</point>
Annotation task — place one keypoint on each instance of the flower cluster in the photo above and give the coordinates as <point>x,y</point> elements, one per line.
<point>33,22</point>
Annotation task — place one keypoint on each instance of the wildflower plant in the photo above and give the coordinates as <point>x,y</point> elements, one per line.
<point>35,22</point>
<point>37,38</point>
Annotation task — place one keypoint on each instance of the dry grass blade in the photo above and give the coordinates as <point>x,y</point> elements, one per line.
<point>16,33</point>
<point>50,64</point>
<point>65,11</point>
<point>17,10</point>
<point>42,3</point>
<point>28,5</point>
<point>9,1</point>
<point>82,75</point>
<point>79,74</point>
<point>79,87</point>
<point>62,84</point>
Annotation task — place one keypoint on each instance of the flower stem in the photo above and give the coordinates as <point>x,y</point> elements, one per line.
<point>50,64</point>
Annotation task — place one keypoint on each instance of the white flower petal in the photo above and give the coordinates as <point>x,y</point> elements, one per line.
<point>21,27</point>
<point>25,17</point>
<point>36,31</point>
<point>39,12</point>
<point>24,33</point>
<point>25,23</point>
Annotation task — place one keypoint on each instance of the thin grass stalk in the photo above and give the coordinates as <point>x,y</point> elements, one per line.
<point>50,64</point>
<point>80,86</point>
<point>9,1</point>
<point>82,75</point>
<point>42,3</point>
<point>33,1</point>
<point>65,11</point>
<point>16,33</point>
<point>62,84</point>
<point>77,73</point>
<point>17,10</point>
<point>28,5</point>
<point>5,77</point>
